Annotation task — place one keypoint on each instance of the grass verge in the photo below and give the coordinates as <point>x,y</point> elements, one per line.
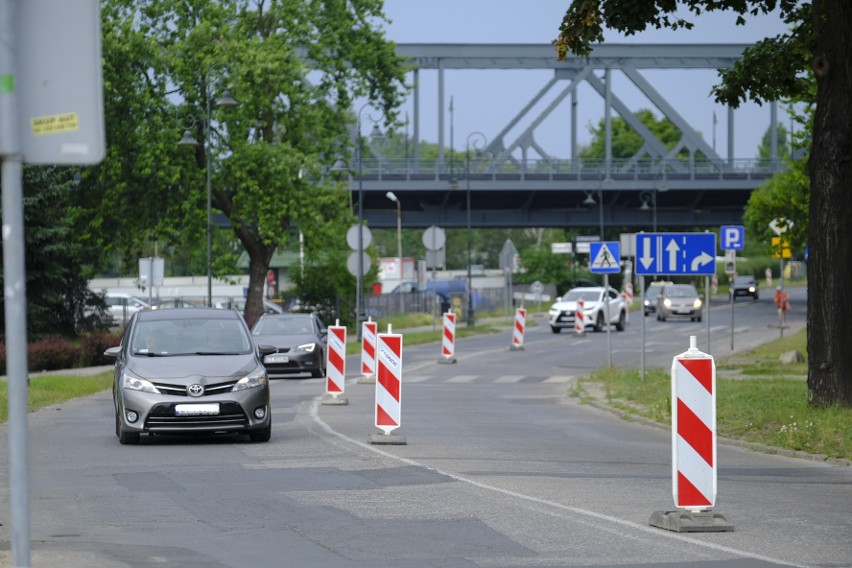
<point>54,389</point>
<point>758,399</point>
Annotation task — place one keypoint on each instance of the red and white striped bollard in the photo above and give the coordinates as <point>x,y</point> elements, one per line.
<point>519,329</point>
<point>448,339</point>
<point>369,329</point>
<point>388,411</point>
<point>579,321</point>
<point>693,446</point>
<point>335,368</point>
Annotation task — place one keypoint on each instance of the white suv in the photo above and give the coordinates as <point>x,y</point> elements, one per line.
<point>594,309</point>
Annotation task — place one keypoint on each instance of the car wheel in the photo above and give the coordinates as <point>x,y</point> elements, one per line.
<point>599,322</point>
<point>555,329</point>
<point>320,372</point>
<point>698,318</point>
<point>619,326</point>
<point>262,435</point>
<point>756,296</point>
<point>127,438</point>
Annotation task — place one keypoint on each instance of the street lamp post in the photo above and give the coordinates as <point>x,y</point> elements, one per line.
<point>650,197</point>
<point>225,101</point>
<point>392,196</point>
<point>479,141</point>
<point>359,288</point>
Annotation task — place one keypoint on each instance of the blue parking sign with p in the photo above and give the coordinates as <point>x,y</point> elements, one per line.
<point>733,237</point>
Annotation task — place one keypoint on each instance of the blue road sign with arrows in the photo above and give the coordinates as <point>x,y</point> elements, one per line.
<point>676,253</point>
<point>605,257</point>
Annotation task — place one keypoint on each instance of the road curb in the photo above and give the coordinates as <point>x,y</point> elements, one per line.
<point>590,400</point>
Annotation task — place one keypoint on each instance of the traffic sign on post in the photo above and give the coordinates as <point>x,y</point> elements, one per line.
<point>676,253</point>
<point>733,237</point>
<point>606,257</point>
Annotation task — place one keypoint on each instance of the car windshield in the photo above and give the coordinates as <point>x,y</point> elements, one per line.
<point>743,280</point>
<point>653,291</point>
<point>163,338</point>
<point>284,326</point>
<point>585,295</point>
<point>681,292</point>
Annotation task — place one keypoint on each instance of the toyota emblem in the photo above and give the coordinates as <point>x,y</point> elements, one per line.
<point>195,390</point>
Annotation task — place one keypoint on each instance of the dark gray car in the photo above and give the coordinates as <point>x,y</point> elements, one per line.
<point>189,371</point>
<point>300,342</point>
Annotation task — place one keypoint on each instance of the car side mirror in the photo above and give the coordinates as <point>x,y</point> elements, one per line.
<point>266,349</point>
<point>113,352</point>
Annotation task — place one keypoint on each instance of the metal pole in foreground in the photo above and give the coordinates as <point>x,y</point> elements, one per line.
<point>14,290</point>
<point>209,205</point>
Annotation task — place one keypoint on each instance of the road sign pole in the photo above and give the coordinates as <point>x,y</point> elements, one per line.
<point>642,300</point>
<point>608,320</point>
<point>707,296</point>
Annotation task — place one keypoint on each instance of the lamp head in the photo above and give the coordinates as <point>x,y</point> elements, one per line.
<point>188,139</point>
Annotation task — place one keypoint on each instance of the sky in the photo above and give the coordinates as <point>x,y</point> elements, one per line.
<point>485,101</point>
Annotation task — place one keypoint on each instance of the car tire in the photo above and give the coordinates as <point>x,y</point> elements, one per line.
<point>599,322</point>
<point>125,438</point>
<point>555,329</point>
<point>262,435</point>
<point>622,319</point>
<point>320,371</point>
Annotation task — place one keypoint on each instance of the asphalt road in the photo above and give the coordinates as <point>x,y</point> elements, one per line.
<point>501,468</point>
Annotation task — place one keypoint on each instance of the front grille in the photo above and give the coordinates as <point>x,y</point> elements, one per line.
<point>209,390</point>
<point>230,417</point>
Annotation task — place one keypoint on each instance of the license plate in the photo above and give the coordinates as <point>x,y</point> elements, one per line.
<point>276,359</point>
<point>684,311</point>
<point>197,409</point>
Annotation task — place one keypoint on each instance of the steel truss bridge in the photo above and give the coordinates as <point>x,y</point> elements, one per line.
<point>513,182</point>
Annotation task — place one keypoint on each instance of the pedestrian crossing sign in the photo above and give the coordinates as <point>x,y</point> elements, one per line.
<point>606,257</point>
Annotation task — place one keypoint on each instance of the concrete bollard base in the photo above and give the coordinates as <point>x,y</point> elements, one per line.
<point>690,521</point>
<point>388,439</point>
<point>335,401</point>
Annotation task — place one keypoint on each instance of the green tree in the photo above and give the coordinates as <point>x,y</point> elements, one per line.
<point>764,151</point>
<point>295,69</point>
<point>626,142</point>
<point>58,298</point>
<point>773,69</point>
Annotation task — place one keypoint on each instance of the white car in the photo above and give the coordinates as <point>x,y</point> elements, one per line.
<point>561,313</point>
<point>122,306</point>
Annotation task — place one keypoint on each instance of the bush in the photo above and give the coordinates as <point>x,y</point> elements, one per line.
<point>93,345</point>
<point>52,353</point>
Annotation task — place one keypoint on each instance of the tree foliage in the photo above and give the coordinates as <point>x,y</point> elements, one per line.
<point>59,301</point>
<point>626,142</point>
<point>294,69</point>
<point>776,68</point>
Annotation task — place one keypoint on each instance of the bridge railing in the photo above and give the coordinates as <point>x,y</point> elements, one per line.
<point>486,169</point>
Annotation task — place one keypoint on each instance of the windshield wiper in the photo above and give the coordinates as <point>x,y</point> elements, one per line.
<point>216,353</point>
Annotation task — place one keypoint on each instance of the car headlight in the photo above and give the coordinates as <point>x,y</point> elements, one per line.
<point>751,289</point>
<point>307,347</point>
<point>130,381</point>
<point>696,304</point>
<point>667,303</point>
<point>256,378</point>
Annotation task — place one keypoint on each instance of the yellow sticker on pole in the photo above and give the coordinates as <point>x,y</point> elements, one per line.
<point>55,123</point>
<point>781,249</point>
